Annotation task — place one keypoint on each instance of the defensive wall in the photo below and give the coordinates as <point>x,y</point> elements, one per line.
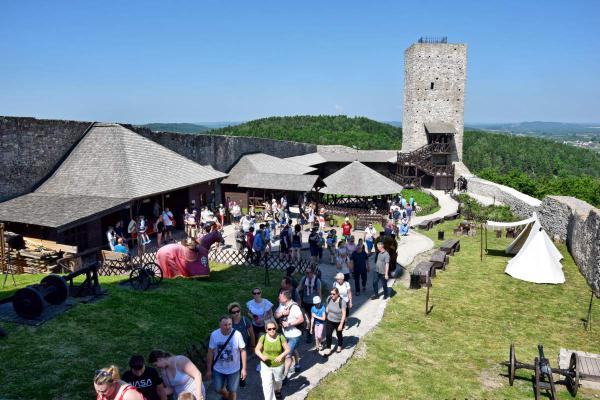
<point>565,218</point>
<point>222,152</point>
<point>30,149</point>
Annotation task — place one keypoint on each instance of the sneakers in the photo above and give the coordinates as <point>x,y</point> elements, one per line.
<point>278,395</point>
<point>297,367</point>
<point>375,297</point>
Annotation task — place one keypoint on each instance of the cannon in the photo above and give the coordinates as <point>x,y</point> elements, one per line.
<point>29,302</point>
<point>543,379</point>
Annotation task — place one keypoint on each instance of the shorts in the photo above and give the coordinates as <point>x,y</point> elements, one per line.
<point>296,245</point>
<point>314,251</point>
<point>237,218</point>
<point>170,228</point>
<point>293,343</point>
<point>230,381</point>
<point>283,248</point>
<point>319,331</point>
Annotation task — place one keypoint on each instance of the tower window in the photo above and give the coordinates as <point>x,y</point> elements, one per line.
<point>431,86</point>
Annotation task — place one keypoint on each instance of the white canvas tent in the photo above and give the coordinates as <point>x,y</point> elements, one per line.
<point>537,259</point>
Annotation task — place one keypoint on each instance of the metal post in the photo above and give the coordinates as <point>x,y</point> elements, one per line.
<point>588,321</point>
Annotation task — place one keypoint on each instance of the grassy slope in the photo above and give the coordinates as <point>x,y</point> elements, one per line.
<point>58,358</point>
<point>455,352</point>
<point>324,129</point>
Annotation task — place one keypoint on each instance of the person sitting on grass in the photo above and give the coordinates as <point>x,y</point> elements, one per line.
<point>145,379</point>
<point>178,373</point>
<point>109,386</point>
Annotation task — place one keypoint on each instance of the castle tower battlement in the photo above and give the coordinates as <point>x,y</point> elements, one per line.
<point>435,74</point>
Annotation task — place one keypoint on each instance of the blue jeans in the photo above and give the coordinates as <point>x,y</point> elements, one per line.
<point>230,381</point>
<point>377,277</point>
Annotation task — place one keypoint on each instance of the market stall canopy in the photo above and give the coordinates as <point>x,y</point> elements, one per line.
<point>357,179</point>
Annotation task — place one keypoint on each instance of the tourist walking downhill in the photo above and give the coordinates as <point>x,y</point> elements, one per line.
<point>381,272</point>
<point>272,349</point>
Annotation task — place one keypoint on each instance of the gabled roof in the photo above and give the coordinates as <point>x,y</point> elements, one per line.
<point>357,179</point>
<point>439,127</point>
<point>55,210</point>
<point>337,153</point>
<point>287,182</point>
<point>260,163</point>
<point>112,161</point>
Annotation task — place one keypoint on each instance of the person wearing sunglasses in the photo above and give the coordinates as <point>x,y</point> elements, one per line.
<point>272,349</point>
<point>336,317</point>
<point>242,324</point>
<point>260,310</point>
<point>109,386</point>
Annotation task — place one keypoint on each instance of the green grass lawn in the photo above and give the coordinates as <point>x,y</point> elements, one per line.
<point>427,202</point>
<point>58,358</point>
<point>455,352</point>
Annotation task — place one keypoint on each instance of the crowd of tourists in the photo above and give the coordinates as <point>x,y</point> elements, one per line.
<point>271,331</point>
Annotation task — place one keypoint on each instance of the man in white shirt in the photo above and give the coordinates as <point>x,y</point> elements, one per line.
<point>223,359</point>
<point>167,217</point>
<point>290,315</point>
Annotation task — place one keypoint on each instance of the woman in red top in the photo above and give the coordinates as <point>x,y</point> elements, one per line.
<point>109,386</point>
<point>347,228</point>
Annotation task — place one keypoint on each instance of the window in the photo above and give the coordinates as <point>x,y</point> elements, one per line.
<point>431,86</point>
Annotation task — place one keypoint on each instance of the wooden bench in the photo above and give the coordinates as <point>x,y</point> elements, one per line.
<point>452,216</point>
<point>419,275</point>
<point>425,225</point>
<point>435,221</point>
<point>114,263</point>
<point>450,246</point>
<point>440,259</point>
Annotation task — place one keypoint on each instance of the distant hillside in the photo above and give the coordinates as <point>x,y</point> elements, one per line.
<point>541,128</point>
<point>534,166</point>
<point>175,127</point>
<point>361,132</point>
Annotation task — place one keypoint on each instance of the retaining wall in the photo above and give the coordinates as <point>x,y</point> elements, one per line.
<point>566,219</point>
<point>520,203</point>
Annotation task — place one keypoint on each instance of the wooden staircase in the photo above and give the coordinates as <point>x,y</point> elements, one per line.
<point>417,168</point>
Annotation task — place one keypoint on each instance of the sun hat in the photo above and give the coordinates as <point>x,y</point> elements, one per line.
<point>316,300</point>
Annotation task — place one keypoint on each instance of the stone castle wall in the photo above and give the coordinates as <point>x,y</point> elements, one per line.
<point>31,148</point>
<point>566,219</point>
<point>520,204</point>
<point>222,152</point>
<point>445,66</point>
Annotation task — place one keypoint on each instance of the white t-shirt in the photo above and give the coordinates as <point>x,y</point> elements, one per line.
<point>229,360</point>
<point>294,315</point>
<point>343,289</point>
<point>259,311</point>
<point>369,234</point>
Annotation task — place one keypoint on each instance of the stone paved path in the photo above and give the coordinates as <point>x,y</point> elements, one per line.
<point>365,316</point>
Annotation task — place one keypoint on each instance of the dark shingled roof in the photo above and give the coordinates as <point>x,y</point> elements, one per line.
<point>259,163</point>
<point>55,210</point>
<point>288,182</point>
<point>338,153</point>
<point>112,161</point>
<point>109,167</point>
<point>357,179</point>
<point>439,127</point>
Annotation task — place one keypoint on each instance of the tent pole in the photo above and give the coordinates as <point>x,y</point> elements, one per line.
<point>481,243</point>
<point>588,321</point>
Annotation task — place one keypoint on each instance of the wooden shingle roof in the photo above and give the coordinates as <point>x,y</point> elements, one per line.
<point>260,163</point>
<point>357,179</point>
<point>112,161</point>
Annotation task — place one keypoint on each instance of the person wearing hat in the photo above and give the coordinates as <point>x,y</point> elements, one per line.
<point>346,228</point>
<point>317,321</point>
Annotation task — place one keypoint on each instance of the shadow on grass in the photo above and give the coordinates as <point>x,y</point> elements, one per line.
<point>497,253</point>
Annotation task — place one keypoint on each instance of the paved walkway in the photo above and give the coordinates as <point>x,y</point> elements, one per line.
<point>447,206</point>
<point>365,316</point>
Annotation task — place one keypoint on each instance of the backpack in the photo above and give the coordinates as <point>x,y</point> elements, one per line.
<point>317,280</point>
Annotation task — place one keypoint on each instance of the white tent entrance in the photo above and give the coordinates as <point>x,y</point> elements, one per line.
<point>537,259</point>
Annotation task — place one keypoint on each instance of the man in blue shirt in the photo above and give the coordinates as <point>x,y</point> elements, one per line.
<point>120,248</point>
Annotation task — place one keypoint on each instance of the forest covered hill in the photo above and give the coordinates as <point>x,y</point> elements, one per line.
<point>537,167</point>
<point>364,133</point>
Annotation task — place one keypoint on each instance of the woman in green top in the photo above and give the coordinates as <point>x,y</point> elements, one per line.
<point>271,349</point>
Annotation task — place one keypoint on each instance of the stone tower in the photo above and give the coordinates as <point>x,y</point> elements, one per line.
<point>435,74</point>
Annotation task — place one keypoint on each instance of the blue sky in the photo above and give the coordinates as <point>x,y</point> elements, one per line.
<point>187,61</point>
